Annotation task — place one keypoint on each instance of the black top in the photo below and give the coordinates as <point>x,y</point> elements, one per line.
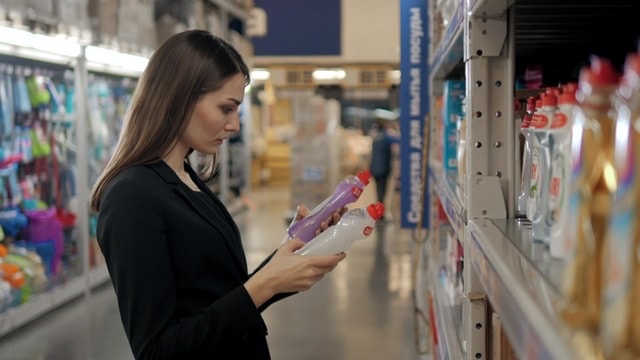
<point>178,267</point>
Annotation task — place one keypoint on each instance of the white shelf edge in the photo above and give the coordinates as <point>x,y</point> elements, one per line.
<point>451,203</point>
<point>475,7</point>
<point>504,272</point>
<point>450,49</point>
<point>447,334</point>
<point>40,304</point>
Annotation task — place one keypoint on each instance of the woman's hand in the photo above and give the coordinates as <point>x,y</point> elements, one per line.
<point>288,272</point>
<point>333,219</point>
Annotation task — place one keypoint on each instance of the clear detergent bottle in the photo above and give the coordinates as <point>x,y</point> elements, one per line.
<point>593,182</point>
<point>560,138</point>
<point>525,178</point>
<point>539,186</point>
<point>354,225</point>
<point>620,325</point>
<point>346,192</point>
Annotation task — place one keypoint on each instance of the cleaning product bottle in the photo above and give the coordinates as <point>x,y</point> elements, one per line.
<point>560,135</point>
<point>540,169</point>
<point>592,184</point>
<point>620,325</point>
<point>346,192</point>
<point>355,224</point>
<point>525,178</point>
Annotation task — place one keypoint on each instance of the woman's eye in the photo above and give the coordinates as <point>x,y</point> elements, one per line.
<point>228,109</point>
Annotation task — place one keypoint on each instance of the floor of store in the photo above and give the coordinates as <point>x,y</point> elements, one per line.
<point>363,309</point>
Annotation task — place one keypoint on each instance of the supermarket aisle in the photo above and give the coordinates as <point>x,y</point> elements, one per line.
<point>362,310</point>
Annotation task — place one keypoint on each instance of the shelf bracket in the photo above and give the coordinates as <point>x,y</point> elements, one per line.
<point>487,200</point>
<point>486,36</point>
<point>474,315</point>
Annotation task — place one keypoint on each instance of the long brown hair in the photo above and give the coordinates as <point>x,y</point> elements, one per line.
<point>184,67</point>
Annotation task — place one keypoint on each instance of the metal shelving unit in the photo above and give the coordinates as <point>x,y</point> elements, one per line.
<point>483,43</point>
<point>449,346</point>
<point>88,278</point>
<point>521,282</point>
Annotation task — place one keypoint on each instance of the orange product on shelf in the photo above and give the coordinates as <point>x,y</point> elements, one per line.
<point>593,181</point>
<point>620,326</point>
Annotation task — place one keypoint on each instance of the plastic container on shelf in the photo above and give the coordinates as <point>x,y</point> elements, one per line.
<point>593,181</point>
<point>540,169</point>
<point>525,178</point>
<point>560,139</point>
<point>354,225</point>
<point>620,325</point>
<point>346,192</point>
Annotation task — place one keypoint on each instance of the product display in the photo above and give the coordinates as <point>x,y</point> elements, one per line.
<point>591,194</point>
<point>620,325</point>
<point>525,129</point>
<point>354,225</point>
<point>559,265</point>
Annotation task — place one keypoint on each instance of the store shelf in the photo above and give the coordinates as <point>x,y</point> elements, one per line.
<point>522,282</point>
<point>448,192</point>
<point>40,304</point>
<point>448,324</point>
<point>450,50</point>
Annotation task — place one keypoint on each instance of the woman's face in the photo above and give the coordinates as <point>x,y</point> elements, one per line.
<point>215,117</point>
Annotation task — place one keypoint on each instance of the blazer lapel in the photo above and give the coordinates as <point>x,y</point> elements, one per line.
<point>233,240</point>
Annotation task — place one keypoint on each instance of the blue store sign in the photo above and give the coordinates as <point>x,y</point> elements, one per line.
<point>414,107</point>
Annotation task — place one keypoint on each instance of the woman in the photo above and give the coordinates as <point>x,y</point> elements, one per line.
<point>173,252</point>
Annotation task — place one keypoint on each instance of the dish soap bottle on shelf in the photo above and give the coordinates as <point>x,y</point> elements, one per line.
<point>593,181</point>
<point>539,186</point>
<point>620,325</point>
<point>346,192</point>
<point>560,138</point>
<point>355,224</point>
<point>525,178</point>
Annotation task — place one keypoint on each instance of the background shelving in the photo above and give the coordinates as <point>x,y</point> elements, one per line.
<point>103,86</point>
<point>518,276</point>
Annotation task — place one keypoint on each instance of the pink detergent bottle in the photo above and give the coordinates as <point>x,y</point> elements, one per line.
<point>346,192</point>
<point>356,224</point>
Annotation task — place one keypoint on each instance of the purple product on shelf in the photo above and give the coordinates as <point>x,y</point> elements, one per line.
<point>346,192</point>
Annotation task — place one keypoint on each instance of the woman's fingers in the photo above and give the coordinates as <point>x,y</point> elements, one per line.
<point>301,212</point>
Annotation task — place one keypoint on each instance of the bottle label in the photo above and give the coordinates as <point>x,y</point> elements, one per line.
<point>539,121</point>
<point>367,230</point>
<point>356,191</point>
<point>560,120</point>
<point>534,183</point>
<point>557,191</point>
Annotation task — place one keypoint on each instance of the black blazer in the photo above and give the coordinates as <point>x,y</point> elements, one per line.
<point>178,268</point>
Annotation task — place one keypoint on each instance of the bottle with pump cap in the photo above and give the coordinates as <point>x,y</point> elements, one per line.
<point>354,225</point>
<point>560,135</point>
<point>620,325</point>
<point>346,192</point>
<point>593,181</point>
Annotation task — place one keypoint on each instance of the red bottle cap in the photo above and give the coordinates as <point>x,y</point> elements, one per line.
<point>364,176</point>
<point>632,65</point>
<point>376,210</point>
<point>599,73</point>
<point>549,99</point>
<point>568,95</point>
<point>531,104</point>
